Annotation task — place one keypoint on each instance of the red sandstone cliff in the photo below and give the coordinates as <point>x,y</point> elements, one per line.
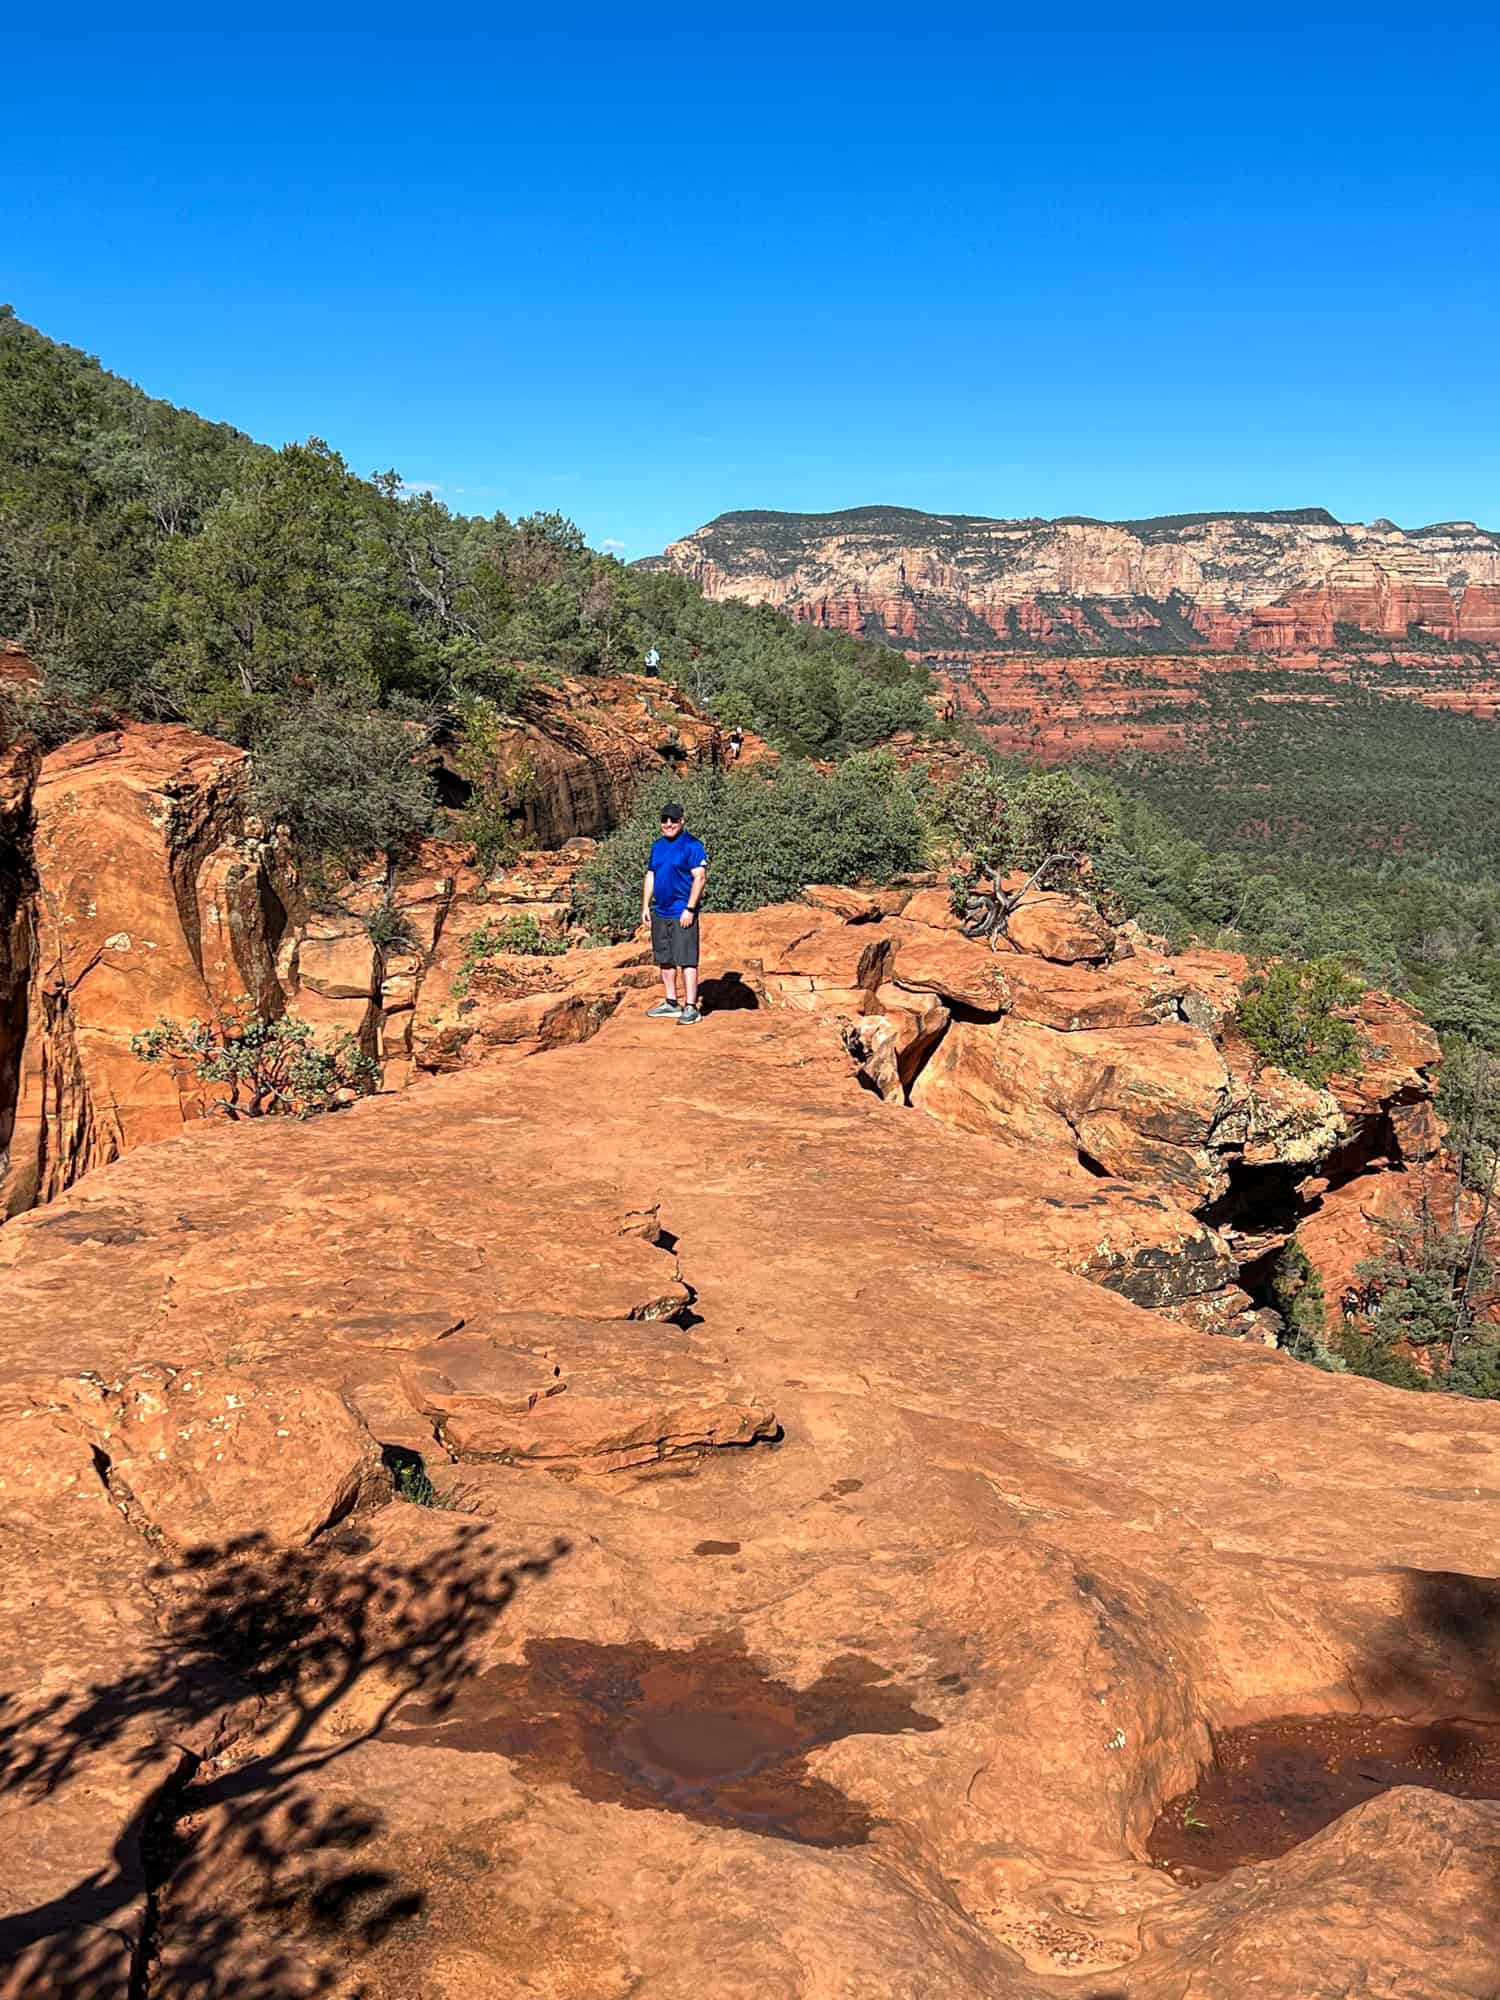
<point>956,584</point>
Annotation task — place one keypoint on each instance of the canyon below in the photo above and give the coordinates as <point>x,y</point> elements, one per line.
<point>783,1508</point>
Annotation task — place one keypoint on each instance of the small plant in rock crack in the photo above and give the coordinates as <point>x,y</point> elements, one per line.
<point>413,1484</point>
<point>389,928</point>
<point>1192,1818</point>
<point>269,1068</point>
<point>519,934</point>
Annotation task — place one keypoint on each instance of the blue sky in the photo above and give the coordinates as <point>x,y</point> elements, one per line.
<point>655,264</point>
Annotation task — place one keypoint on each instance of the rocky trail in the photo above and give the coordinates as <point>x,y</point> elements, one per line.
<point>757,1509</point>
<point>839,1592</point>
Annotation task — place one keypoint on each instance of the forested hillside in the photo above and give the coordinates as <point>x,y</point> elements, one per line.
<point>162,566</point>
<point>158,565</point>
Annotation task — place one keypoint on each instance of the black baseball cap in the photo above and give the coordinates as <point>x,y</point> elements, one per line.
<point>671,811</point>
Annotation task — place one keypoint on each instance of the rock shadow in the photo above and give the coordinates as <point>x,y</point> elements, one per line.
<point>727,993</point>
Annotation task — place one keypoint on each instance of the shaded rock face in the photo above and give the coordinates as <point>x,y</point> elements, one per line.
<point>846,1634</point>
<point>143,893</point>
<point>572,766</point>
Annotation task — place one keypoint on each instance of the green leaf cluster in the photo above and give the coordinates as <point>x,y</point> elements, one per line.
<point>272,1068</point>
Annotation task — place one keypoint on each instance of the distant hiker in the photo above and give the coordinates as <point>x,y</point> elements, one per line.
<point>653,660</point>
<point>736,744</point>
<point>670,897</point>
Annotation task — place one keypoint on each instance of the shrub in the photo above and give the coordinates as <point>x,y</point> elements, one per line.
<point>273,1068</point>
<point>1009,819</point>
<point>1418,1293</point>
<point>1287,1013</point>
<point>767,835</point>
<point>1297,1292</point>
<point>389,928</point>
<point>499,791</point>
<point>346,782</point>
<point>520,934</point>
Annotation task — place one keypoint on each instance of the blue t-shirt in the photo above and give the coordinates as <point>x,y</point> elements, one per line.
<point>672,865</point>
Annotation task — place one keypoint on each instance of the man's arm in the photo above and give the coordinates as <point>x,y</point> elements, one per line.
<point>695,893</point>
<point>648,890</point>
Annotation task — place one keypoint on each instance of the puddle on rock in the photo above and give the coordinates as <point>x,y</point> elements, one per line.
<point>1274,1784</point>
<point>704,1733</point>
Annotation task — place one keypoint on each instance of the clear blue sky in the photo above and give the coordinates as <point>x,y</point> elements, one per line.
<point>659,262</point>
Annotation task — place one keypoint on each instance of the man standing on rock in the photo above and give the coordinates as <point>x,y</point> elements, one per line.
<point>670,897</point>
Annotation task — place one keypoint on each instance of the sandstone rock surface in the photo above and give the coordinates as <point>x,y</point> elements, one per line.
<point>149,896</point>
<point>887,1706</point>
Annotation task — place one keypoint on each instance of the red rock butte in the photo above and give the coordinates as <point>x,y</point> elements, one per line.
<point>1131,619</point>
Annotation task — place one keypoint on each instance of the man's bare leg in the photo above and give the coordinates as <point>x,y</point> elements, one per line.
<point>690,984</point>
<point>669,981</point>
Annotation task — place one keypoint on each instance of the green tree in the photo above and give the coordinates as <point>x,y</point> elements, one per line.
<point>346,782</point>
<point>767,835</point>
<point>287,592</point>
<point>1289,1015</point>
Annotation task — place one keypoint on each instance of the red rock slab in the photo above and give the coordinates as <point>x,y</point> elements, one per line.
<point>933,907</point>
<point>193,1456</point>
<point>81,1757</point>
<point>1141,1102</point>
<point>1073,1534</point>
<point>1062,928</point>
<point>854,904</point>
<point>738,940</point>
<point>1211,985</point>
<point>1398,1052</point>
<point>601,1398</point>
<point>955,968</point>
<point>150,901</point>
<point>1137,992</point>
<point>891,1043</point>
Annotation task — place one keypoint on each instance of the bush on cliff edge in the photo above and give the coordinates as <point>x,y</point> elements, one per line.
<point>766,836</point>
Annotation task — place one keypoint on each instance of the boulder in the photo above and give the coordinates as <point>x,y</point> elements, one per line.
<point>1141,1104</point>
<point>589,1395</point>
<point>1063,928</point>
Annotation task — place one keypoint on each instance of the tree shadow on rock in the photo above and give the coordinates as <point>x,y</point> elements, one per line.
<point>286,1660</point>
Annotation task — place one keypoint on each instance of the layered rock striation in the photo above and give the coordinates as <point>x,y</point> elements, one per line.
<point>959,584</point>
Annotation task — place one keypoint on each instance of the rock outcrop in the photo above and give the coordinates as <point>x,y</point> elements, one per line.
<point>134,884</point>
<point>846,1637</point>
<point>572,763</point>
<point>144,893</point>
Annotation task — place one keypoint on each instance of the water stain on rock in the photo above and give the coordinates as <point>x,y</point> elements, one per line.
<point>703,1732</point>
<point>1275,1784</point>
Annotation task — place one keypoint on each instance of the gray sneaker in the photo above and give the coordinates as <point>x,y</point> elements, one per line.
<point>688,1015</point>
<point>664,1010</point>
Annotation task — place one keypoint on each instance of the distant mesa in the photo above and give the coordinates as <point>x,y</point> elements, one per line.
<point>1291,580</point>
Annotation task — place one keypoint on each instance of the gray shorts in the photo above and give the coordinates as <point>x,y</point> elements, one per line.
<point>673,943</point>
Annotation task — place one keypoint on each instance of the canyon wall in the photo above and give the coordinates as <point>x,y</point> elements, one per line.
<point>958,584</point>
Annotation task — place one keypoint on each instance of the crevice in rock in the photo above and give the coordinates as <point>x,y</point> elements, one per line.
<point>160,1853</point>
